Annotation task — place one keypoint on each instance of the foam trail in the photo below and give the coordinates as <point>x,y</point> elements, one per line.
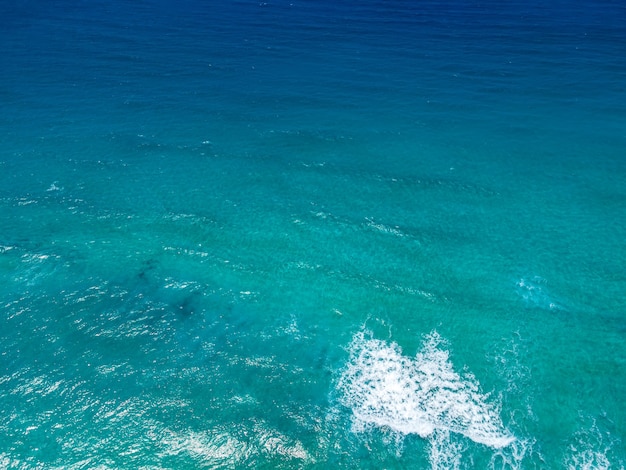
<point>421,395</point>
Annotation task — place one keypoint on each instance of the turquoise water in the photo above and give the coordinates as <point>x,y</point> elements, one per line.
<point>312,235</point>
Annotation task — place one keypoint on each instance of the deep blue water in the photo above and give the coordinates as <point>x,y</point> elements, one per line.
<point>312,234</point>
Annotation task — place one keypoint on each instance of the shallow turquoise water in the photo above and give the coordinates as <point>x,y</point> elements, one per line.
<point>310,235</point>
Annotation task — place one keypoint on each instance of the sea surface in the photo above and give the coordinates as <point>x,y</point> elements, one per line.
<point>302,234</point>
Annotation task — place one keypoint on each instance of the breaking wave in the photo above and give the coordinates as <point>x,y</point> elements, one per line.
<point>421,395</point>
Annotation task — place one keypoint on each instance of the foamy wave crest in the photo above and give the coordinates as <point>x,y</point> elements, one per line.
<point>423,395</point>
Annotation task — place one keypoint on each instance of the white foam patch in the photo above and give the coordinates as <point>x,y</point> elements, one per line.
<point>384,228</point>
<point>420,395</point>
<point>444,453</point>
<point>275,443</point>
<point>219,448</point>
<point>211,448</point>
<point>592,449</point>
<point>535,293</point>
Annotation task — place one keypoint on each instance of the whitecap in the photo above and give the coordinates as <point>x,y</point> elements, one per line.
<point>23,201</point>
<point>420,395</point>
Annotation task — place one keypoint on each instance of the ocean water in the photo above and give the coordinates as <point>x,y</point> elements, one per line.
<point>313,234</point>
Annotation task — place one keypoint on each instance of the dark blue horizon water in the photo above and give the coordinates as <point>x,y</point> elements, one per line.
<point>311,234</point>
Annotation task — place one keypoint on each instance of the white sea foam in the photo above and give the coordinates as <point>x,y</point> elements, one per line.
<point>592,450</point>
<point>384,228</point>
<point>515,455</point>
<point>444,453</point>
<point>535,293</point>
<point>420,395</point>
<point>215,448</point>
<point>23,201</point>
<point>221,448</point>
<point>587,459</point>
<point>275,443</point>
